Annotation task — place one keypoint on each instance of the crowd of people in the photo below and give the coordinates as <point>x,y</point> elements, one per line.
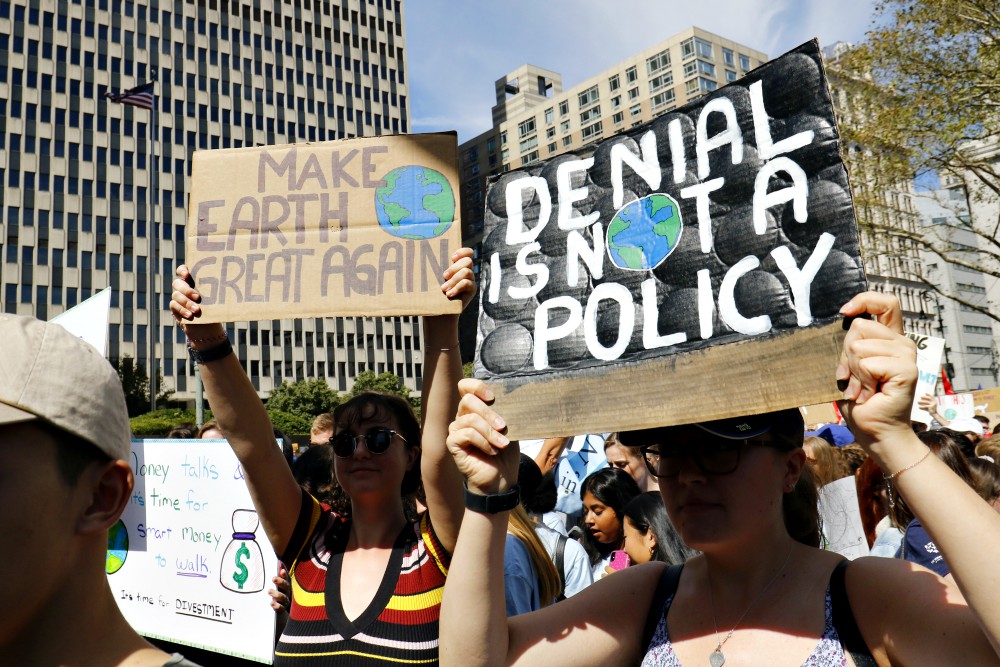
<point>434,539</point>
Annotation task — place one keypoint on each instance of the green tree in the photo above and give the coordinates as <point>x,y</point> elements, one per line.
<point>290,423</point>
<point>304,398</point>
<point>135,383</point>
<point>386,383</point>
<point>922,88</point>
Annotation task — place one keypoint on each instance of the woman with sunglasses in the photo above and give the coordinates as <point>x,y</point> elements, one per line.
<point>757,595</point>
<point>366,589</point>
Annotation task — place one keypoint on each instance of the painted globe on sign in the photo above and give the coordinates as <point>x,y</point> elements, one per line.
<point>415,203</point>
<point>117,547</point>
<point>644,232</point>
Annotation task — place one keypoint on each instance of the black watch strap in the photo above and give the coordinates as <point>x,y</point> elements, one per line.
<point>211,354</point>
<point>493,503</point>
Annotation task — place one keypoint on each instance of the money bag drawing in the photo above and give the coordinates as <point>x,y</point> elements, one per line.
<point>242,569</point>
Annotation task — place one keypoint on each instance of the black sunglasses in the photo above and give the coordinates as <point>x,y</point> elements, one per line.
<point>377,441</point>
<point>714,457</point>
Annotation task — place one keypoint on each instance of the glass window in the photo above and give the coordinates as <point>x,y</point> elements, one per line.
<point>690,69</point>
<point>703,48</point>
<point>635,110</point>
<point>631,75</point>
<point>662,99</point>
<point>614,83</point>
<point>633,93</point>
<point>589,96</point>
<point>687,48</point>
<point>744,63</point>
<point>658,62</point>
<point>563,107</point>
<point>590,114</point>
<point>661,81</point>
<point>618,118</point>
<point>616,101</point>
<point>706,68</point>
<point>728,57</point>
<point>591,130</point>
<point>564,126</point>
<point>566,141</point>
<point>526,127</point>
<point>730,75</point>
<point>549,116</point>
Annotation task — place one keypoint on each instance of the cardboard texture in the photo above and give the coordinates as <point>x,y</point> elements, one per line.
<point>987,402</point>
<point>360,227</point>
<point>691,268</point>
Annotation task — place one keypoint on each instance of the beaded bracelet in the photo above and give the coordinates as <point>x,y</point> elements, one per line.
<point>211,339</point>
<point>888,478</point>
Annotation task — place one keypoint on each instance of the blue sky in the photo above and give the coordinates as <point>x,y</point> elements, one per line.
<point>458,48</point>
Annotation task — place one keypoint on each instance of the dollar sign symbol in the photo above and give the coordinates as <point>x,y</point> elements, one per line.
<point>242,573</point>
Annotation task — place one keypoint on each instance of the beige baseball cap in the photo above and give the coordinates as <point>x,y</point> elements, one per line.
<point>49,374</point>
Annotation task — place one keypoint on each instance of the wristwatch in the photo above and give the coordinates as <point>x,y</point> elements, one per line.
<point>493,503</point>
<point>211,354</point>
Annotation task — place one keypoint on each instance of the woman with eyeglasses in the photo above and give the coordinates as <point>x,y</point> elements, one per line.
<point>761,593</point>
<point>366,589</point>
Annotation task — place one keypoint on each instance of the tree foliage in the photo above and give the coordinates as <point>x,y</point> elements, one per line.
<point>159,422</point>
<point>290,423</point>
<point>303,398</point>
<point>924,98</point>
<point>386,383</point>
<point>135,383</point>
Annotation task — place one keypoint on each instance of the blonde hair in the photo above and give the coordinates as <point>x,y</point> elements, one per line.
<point>826,466</point>
<point>549,582</point>
<point>989,447</point>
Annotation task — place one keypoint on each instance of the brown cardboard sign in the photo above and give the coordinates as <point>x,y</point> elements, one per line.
<point>352,227</point>
<point>688,269</point>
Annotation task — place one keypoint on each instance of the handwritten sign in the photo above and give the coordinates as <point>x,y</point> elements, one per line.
<point>188,562</point>
<point>929,351</point>
<point>691,268</point>
<point>351,227</point>
<point>956,406</point>
<point>843,531</point>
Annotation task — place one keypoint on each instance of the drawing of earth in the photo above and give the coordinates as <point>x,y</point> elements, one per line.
<point>117,548</point>
<point>644,232</point>
<point>415,203</point>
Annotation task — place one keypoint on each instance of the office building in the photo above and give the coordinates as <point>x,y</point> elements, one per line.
<point>75,177</point>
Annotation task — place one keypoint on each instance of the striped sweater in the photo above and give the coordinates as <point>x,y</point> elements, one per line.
<point>401,624</point>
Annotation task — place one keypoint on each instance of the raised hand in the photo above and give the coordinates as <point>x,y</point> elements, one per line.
<point>459,280</point>
<point>879,366</point>
<point>185,307</point>
<point>482,453</point>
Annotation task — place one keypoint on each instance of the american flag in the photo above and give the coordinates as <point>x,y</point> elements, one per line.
<point>140,96</point>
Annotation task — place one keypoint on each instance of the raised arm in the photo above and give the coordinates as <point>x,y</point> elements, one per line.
<point>442,371</point>
<point>909,614</point>
<point>241,416</point>
<point>600,625</point>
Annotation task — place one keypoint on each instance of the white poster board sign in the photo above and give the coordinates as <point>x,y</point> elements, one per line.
<point>929,351</point>
<point>89,320</point>
<point>841,514</point>
<point>957,406</point>
<point>189,562</point>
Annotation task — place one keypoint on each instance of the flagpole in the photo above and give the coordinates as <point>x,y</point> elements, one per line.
<point>153,302</point>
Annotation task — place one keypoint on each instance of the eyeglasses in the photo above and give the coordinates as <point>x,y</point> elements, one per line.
<point>377,441</point>
<point>714,457</point>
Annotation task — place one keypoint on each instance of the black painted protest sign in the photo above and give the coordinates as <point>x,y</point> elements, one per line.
<point>351,227</point>
<point>688,269</point>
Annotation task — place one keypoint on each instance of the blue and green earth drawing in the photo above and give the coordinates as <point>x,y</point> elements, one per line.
<point>415,203</point>
<point>644,232</point>
<point>117,548</point>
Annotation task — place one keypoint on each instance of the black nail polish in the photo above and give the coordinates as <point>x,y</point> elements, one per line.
<point>842,384</point>
<point>850,319</point>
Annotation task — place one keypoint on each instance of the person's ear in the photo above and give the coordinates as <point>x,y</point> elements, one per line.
<point>794,463</point>
<point>649,541</point>
<point>106,489</point>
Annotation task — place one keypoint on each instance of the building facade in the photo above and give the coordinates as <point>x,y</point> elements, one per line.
<point>970,347</point>
<point>75,180</point>
<point>535,118</point>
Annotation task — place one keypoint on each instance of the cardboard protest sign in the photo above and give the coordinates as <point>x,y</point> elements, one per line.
<point>843,531</point>
<point>929,351</point>
<point>987,402</point>
<point>691,268</point>
<point>956,406</point>
<point>188,562</point>
<point>353,227</point>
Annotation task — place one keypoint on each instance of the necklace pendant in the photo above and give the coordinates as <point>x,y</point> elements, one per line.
<point>716,659</point>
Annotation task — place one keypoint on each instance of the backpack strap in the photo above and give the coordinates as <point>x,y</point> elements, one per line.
<point>559,561</point>
<point>665,589</point>
<point>843,619</point>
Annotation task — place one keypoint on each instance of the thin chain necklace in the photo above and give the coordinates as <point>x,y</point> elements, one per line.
<point>717,658</point>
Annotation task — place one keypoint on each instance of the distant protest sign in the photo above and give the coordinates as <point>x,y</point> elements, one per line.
<point>690,268</point>
<point>929,351</point>
<point>189,562</point>
<point>352,227</point>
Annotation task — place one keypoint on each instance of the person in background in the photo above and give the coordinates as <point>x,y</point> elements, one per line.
<point>210,431</point>
<point>321,430</point>
<point>985,421</point>
<point>649,535</point>
<point>630,460</point>
<point>757,594</point>
<point>989,447</point>
<point>917,545</point>
<point>184,431</point>
<point>882,537</point>
<point>65,479</point>
<point>850,457</point>
<point>822,460</point>
<point>971,431</point>
<point>605,494</point>
<point>987,476</point>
